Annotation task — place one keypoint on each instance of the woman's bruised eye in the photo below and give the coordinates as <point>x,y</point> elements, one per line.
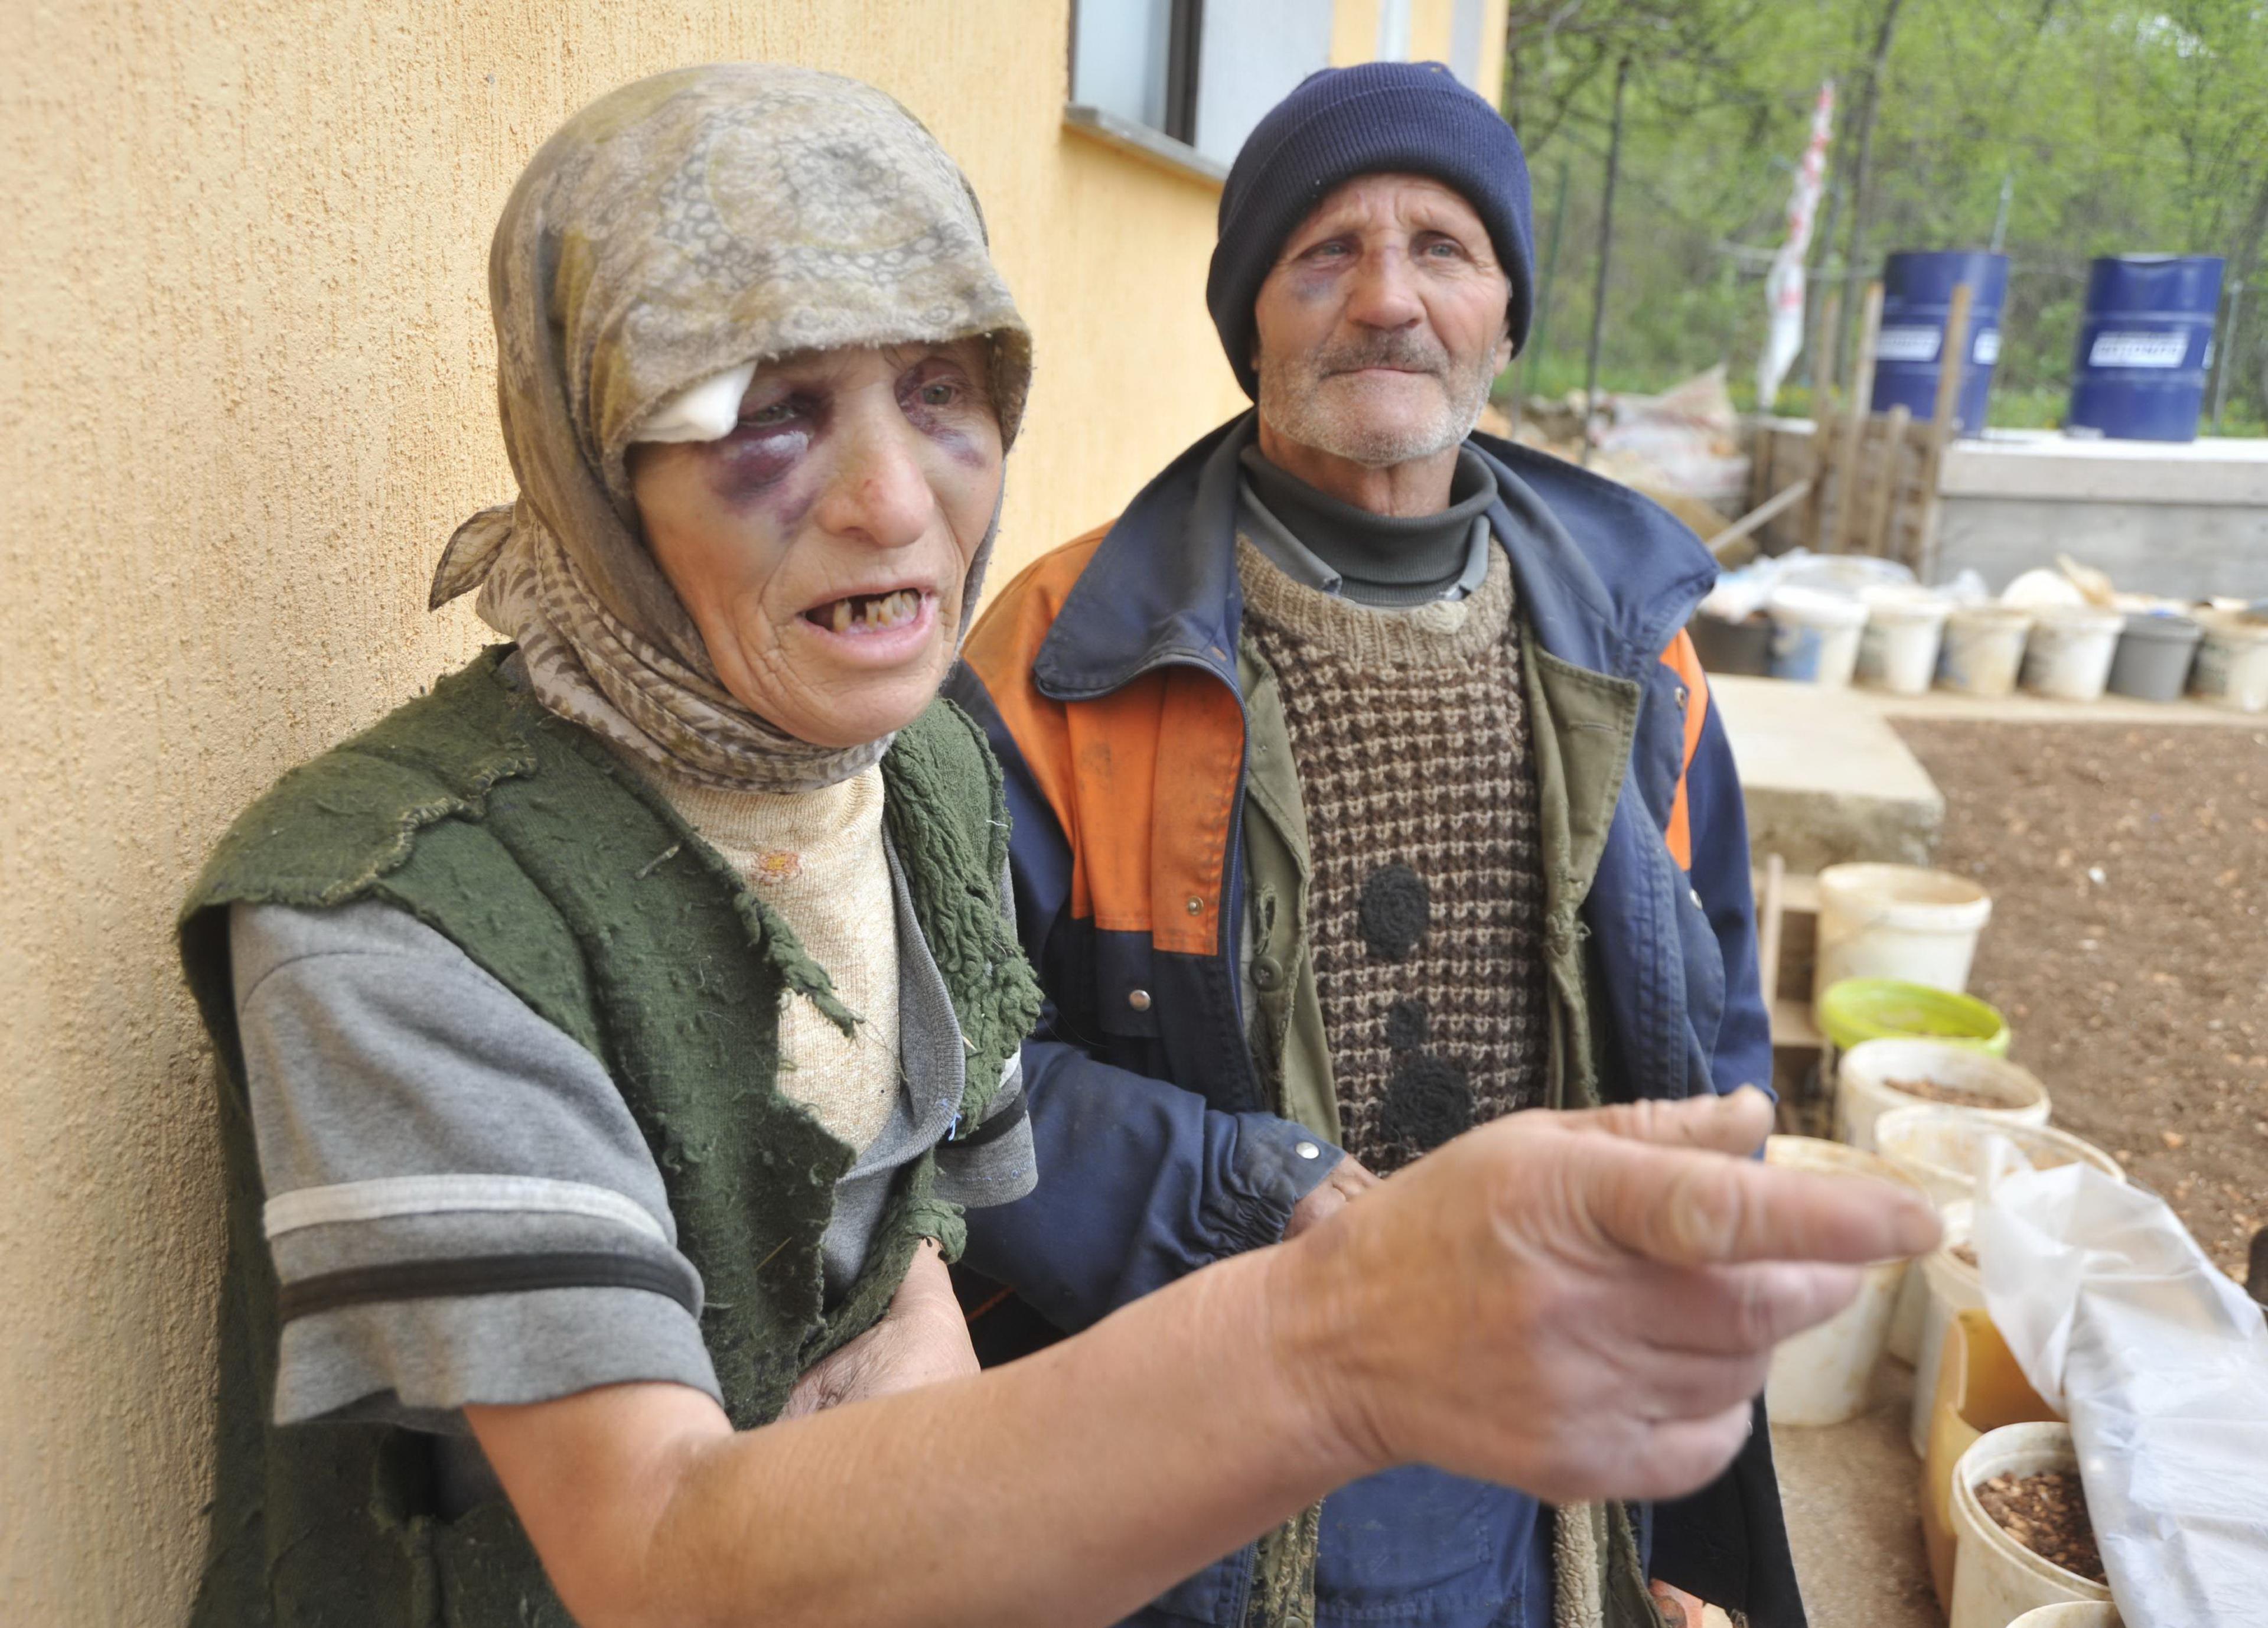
<point>766,443</point>
<point>935,389</point>
<point>776,413</point>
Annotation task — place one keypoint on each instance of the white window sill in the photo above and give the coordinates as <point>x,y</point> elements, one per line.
<point>1141,141</point>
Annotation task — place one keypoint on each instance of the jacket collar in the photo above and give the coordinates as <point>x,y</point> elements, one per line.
<point>1605,577</point>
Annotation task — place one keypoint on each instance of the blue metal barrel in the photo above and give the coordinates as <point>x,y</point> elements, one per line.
<point>2145,346</point>
<point>1916,297</point>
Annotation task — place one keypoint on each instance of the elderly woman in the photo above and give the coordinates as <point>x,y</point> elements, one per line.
<point>611,1037</point>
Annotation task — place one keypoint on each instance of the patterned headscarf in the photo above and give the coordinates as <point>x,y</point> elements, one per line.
<point>677,228</point>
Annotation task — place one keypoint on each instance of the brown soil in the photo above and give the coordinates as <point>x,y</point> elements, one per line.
<point>2128,947</point>
<point>2045,1512</point>
<point>1952,1096</point>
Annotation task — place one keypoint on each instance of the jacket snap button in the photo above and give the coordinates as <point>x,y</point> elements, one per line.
<point>1139,1000</point>
<point>1266,970</point>
<point>1681,697</point>
<point>1694,893</point>
<point>1197,907</point>
<point>1308,1150</point>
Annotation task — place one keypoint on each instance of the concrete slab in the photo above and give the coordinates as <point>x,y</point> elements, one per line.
<point>1950,707</point>
<point>1825,778</point>
<point>2188,520</point>
<point>1852,1496</point>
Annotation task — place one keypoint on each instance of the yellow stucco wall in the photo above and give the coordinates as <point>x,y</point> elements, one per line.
<point>245,391</point>
<point>246,377</point>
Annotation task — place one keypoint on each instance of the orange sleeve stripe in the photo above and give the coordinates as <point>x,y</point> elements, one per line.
<point>1147,825</point>
<point>1682,659</point>
<point>1000,652</point>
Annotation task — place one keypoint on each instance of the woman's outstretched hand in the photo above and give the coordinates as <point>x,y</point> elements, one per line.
<point>1582,1305</point>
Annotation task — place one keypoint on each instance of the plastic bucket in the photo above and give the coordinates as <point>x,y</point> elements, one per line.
<point>2154,653</point>
<point>2232,663</point>
<point>1916,302</point>
<point>1897,648</point>
<point>1815,635</point>
<point>1862,1009</point>
<point>1940,1147</point>
<point>2071,1614</point>
<point>2069,654</point>
<point>1880,1077</point>
<point>1742,648</point>
<point>1979,1389</point>
<point>1820,1376</point>
<point>2145,346</point>
<point>1996,1579</point>
<point>1897,921</point>
<point>1943,1286</point>
<point>1982,649</point>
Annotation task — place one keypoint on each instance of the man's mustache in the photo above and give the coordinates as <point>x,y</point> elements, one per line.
<point>1406,351</point>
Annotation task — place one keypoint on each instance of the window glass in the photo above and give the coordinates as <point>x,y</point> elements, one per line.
<point>1119,56</point>
<point>1254,52</point>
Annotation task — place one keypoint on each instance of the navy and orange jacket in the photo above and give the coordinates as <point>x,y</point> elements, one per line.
<point>1106,677</point>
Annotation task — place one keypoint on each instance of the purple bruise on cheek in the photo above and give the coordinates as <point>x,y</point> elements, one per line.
<point>963,448</point>
<point>754,460</point>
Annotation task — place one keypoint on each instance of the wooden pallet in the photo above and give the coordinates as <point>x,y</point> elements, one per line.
<point>1868,483</point>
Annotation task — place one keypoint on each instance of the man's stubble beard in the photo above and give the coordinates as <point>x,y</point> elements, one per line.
<point>1297,401</point>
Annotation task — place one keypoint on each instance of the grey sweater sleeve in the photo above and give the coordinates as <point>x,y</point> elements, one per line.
<point>459,1206</point>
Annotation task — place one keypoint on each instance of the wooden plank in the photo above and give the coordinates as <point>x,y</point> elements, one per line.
<point>1791,1026</point>
<point>1822,424</point>
<point>1953,358</point>
<point>1854,425</point>
<point>1769,908</point>
<point>1762,515</point>
<point>1889,460</point>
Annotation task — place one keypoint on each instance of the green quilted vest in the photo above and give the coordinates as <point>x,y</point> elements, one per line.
<point>526,843</point>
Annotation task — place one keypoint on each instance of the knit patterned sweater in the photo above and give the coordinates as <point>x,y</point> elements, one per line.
<point>1418,783</point>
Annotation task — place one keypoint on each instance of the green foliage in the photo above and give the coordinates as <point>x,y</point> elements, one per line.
<point>2119,127</point>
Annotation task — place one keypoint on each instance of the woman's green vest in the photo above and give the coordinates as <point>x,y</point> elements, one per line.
<point>556,869</point>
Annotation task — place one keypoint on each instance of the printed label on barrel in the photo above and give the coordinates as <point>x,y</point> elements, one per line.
<point>1986,351</point>
<point>2130,350</point>
<point>1906,343</point>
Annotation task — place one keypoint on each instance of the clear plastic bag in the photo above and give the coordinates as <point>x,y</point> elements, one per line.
<point>2161,1364</point>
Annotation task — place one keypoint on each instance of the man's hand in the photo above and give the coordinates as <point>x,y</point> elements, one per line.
<point>1348,1180</point>
<point>922,1340</point>
<point>1581,1305</point>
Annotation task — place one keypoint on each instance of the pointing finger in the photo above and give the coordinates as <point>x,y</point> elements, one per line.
<point>1693,1208</point>
<point>1735,1123</point>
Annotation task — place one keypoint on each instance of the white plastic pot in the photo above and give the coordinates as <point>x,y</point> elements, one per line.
<point>1982,649</point>
<point>2232,662</point>
<point>1944,1284</point>
<point>1995,1579</point>
<point>1819,1377</point>
<point>1940,1147</point>
<point>1897,921</point>
<point>2070,1614</point>
<point>2069,654</point>
<point>1815,635</point>
<point>1897,648</point>
<point>1865,1087</point>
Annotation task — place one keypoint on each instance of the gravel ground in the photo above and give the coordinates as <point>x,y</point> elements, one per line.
<point>2128,945</point>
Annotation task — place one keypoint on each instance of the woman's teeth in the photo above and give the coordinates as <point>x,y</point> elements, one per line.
<point>871,612</point>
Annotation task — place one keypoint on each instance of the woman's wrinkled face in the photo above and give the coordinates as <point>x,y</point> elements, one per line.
<point>821,547</point>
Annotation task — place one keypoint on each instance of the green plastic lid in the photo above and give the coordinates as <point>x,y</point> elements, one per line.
<point>1861,1009</point>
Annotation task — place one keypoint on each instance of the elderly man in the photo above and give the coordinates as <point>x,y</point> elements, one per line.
<point>1364,789</point>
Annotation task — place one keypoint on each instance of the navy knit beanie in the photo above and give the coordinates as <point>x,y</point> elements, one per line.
<point>1342,123</point>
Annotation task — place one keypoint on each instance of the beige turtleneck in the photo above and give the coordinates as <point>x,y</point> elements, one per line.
<point>817,857</point>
